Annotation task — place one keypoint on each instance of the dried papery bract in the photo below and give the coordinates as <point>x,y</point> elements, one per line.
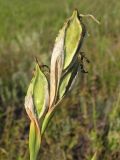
<point>56,67</point>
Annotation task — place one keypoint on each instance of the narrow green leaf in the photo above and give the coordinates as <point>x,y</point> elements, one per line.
<point>46,121</point>
<point>73,38</point>
<point>64,83</point>
<point>68,80</point>
<point>40,92</point>
<point>94,156</point>
<point>34,140</point>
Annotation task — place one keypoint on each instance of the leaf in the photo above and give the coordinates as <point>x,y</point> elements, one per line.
<point>73,39</point>
<point>68,80</point>
<point>46,121</point>
<point>57,61</point>
<point>29,106</point>
<point>94,156</point>
<point>34,140</point>
<point>40,92</point>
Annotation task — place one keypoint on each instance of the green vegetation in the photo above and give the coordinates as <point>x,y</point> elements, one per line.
<point>87,123</point>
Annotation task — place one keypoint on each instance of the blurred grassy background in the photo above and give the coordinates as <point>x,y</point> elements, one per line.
<point>88,120</point>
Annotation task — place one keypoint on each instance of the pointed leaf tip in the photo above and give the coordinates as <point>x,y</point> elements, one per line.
<point>73,38</point>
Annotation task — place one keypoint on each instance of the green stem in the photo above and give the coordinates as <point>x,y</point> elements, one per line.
<point>94,115</point>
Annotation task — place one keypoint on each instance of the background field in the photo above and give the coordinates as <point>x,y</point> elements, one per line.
<point>88,120</point>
